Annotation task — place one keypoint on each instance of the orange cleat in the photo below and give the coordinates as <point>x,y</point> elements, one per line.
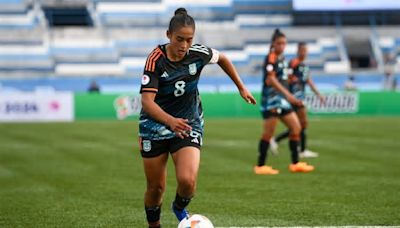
<point>301,167</point>
<point>265,170</point>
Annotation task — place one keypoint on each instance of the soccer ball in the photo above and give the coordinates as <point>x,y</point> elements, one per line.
<point>196,221</point>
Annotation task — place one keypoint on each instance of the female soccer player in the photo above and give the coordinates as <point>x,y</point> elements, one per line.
<point>276,103</point>
<point>171,120</point>
<point>299,78</point>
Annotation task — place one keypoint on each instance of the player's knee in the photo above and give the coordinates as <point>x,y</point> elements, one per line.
<point>294,130</point>
<point>156,190</point>
<point>187,185</point>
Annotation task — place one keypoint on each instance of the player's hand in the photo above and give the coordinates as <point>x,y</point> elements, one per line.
<point>322,99</point>
<point>180,127</point>
<point>247,96</point>
<point>294,101</point>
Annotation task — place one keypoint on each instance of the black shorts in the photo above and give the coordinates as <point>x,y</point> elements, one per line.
<point>154,148</point>
<point>276,113</point>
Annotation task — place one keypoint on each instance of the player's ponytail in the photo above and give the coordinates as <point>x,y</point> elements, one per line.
<point>277,34</point>
<point>181,10</point>
<point>180,19</point>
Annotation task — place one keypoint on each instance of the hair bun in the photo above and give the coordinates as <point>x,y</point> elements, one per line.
<point>181,10</point>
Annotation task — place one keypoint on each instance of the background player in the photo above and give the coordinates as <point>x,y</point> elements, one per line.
<point>298,79</point>
<point>171,117</point>
<point>275,105</point>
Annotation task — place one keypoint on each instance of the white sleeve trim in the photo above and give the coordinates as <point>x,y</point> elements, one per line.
<point>215,56</point>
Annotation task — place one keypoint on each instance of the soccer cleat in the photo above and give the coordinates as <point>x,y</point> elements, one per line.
<point>265,170</point>
<point>273,145</point>
<point>180,214</point>
<point>301,167</point>
<point>308,154</point>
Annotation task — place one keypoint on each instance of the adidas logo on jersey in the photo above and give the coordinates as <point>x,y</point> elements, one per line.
<point>165,75</point>
<point>195,140</point>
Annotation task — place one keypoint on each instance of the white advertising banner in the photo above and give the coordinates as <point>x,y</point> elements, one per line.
<point>36,107</point>
<point>334,103</point>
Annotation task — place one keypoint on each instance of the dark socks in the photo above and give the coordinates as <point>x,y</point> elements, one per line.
<point>303,140</point>
<point>294,150</point>
<point>180,202</point>
<point>282,136</point>
<point>262,152</point>
<point>153,216</point>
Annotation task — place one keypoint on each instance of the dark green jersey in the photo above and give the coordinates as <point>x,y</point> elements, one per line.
<point>271,98</point>
<point>175,85</point>
<point>298,79</point>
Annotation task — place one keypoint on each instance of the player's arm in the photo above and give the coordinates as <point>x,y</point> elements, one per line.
<point>291,70</point>
<point>178,125</point>
<point>227,66</point>
<point>273,81</point>
<point>313,87</point>
<point>149,89</point>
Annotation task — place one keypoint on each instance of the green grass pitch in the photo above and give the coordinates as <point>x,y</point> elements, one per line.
<point>90,174</point>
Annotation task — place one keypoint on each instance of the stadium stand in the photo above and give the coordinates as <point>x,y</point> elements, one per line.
<point>124,32</point>
<point>389,42</point>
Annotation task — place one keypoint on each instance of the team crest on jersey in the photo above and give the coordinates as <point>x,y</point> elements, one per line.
<point>146,145</point>
<point>192,69</point>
